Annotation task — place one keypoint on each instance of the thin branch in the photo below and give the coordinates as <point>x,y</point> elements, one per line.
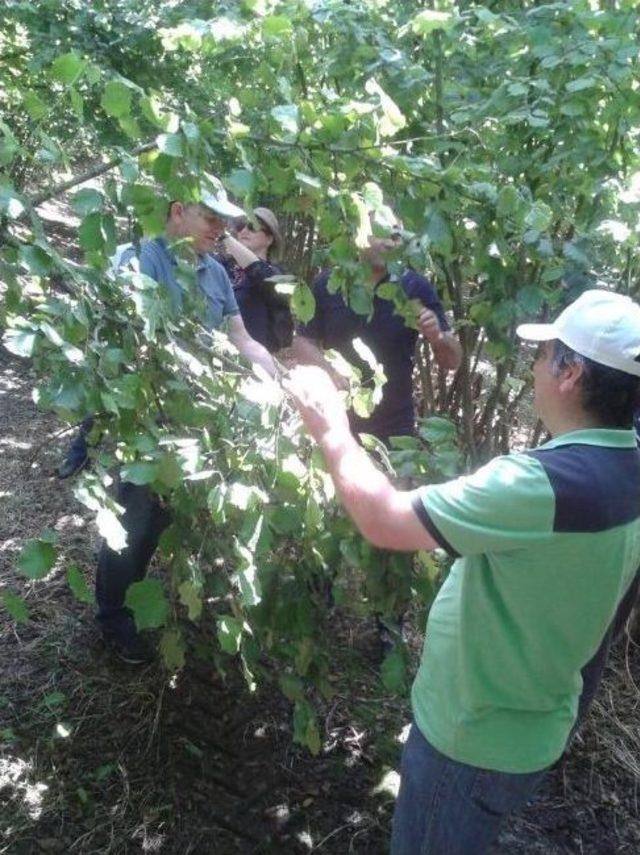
<point>93,172</point>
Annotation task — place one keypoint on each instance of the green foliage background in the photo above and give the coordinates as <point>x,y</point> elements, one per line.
<point>504,135</point>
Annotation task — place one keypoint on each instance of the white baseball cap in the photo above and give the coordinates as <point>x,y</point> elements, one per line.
<point>214,196</point>
<point>601,325</point>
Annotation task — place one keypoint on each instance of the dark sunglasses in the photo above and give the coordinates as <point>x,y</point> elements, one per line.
<point>252,227</point>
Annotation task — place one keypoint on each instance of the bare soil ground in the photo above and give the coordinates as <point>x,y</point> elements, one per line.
<point>98,757</point>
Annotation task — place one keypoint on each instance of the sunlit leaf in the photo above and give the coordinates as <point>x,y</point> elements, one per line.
<point>148,603</point>
<point>67,68</point>
<point>36,559</point>
<point>116,99</point>
<point>303,303</point>
<point>429,20</point>
<point>79,586</point>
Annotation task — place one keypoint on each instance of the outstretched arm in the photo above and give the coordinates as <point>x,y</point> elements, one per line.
<point>305,351</point>
<point>383,514</point>
<point>249,347</point>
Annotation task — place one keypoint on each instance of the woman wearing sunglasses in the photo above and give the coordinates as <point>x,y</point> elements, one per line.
<point>249,258</point>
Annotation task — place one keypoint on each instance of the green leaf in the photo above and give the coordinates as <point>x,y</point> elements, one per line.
<point>86,201</point>
<point>230,634</point>
<point>116,99</point>
<point>292,687</point>
<point>305,727</point>
<point>440,234</point>
<point>10,203</point>
<point>437,430</point>
<point>530,299</point>
<point>78,585</point>
<point>91,236</point>
<point>77,103</point>
<point>54,700</point>
<point>241,182</point>
<point>287,117</point>
<point>361,300</point>
<point>539,217</point>
<point>67,68</point>
<point>508,201</point>
<point>191,597</point>
<point>249,584</point>
<point>393,671</point>
<point>20,342</point>
<point>36,559</point>
<point>429,20</point>
<point>277,26</point>
<point>172,649</point>
<point>148,602</point>
<point>169,471</point>
<point>35,106</point>
<point>581,83</point>
<point>170,144</point>
<point>517,89</point>
<point>36,259</point>
<point>303,303</point>
<point>141,472</point>
<point>152,109</point>
<point>16,606</point>
<point>393,119</point>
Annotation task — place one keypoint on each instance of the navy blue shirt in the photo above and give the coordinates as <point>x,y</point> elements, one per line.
<point>252,294</point>
<point>335,325</point>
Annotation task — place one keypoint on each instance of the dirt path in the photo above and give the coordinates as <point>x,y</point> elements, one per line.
<point>96,757</point>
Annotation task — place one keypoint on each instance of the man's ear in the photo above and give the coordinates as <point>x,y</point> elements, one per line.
<point>571,378</point>
<point>176,209</point>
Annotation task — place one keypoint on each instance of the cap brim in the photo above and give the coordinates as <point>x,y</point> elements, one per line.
<point>537,332</point>
<point>222,207</point>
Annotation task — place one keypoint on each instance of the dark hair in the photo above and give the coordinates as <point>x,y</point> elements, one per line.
<point>611,395</point>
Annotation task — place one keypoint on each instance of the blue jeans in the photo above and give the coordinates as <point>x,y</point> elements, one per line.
<point>144,520</point>
<point>449,808</point>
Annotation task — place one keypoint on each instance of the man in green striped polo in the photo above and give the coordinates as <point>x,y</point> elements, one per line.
<point>547,545</point>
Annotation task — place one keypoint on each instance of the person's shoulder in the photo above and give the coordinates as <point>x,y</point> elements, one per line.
<point>152,249</point>
<point>213,263</point>
<point>321,281</point>
<point>417,285</point>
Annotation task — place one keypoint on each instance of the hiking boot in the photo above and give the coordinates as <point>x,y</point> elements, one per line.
<point>71,466</point>
<point>77,455</point>
<point>75,459</point>
<point>130,647</point>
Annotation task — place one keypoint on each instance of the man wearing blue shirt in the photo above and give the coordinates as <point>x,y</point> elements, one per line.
<point>145,518</point>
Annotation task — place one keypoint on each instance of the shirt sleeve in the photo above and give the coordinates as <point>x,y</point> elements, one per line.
<point>507,504</point>
<point>230,304</point>
<point>147,261</point>
<point>421,288</point>
<point>260,270</point>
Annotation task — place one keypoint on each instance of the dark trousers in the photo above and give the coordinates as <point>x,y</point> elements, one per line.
<point>144,520</point>
<point>592,671</point>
